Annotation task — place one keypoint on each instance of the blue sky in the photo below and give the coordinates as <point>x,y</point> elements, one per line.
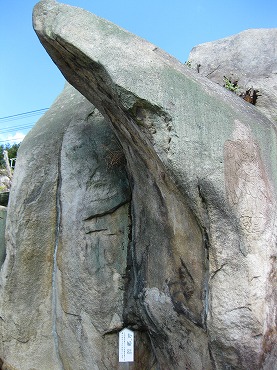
<point>30,81</point>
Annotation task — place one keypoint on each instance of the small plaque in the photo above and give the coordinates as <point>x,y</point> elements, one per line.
<point>126,345</point>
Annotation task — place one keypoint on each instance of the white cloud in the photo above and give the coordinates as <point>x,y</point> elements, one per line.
<point>12,139</point>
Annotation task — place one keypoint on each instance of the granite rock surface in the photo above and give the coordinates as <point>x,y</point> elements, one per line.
<point>175,238</point>
<point>249,59</point>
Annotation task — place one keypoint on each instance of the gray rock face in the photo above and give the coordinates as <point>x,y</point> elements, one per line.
<point>181,249</point>
<point>3,216</point>
<point>250,58</point>
<point>67,241</point>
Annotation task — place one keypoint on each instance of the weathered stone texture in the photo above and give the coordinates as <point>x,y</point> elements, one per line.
<point>250,57</point>
<point>3,216</point>
<point>179,245</point>
<point>67,242</point>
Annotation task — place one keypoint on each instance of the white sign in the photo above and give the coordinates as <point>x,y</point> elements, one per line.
<point>126,345</point>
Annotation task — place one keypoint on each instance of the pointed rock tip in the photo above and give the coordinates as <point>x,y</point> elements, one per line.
<point>47,2</point>
<point>40,10</point>
<point>44,5</point>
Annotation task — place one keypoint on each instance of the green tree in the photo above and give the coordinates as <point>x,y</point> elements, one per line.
<point>12,152</point>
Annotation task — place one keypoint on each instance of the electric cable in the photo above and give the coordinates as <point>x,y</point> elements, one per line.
<point>23,127</point>
<point>23,115</point>
<point>16,128</point>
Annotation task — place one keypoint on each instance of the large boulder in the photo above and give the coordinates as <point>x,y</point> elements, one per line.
<point>181,249</point>
<point>67,241</point>
<point>248,58</point>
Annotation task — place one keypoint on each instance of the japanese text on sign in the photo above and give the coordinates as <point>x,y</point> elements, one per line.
<point>126,345</point>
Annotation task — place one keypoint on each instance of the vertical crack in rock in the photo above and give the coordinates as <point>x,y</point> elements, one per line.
<point>55,264</point>
<point>167,262</point>
<point>206,279</point>
<point>206,242</point>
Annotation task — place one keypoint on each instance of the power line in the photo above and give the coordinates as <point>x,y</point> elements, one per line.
<point>23,115</point>
<point>16,128</point>
<point>20,114</point>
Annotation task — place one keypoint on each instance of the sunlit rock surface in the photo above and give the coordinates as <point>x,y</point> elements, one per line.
<point>248,58</point>
<point>174,238</point>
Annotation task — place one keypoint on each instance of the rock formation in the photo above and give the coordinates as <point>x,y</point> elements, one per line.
<point>167,228</point>
<point>248,59</point>
<point>3,216</point>
<point>71,221</point>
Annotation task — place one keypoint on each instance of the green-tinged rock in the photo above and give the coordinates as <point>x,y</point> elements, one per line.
<point>183,252</point>
<point>202,164</point>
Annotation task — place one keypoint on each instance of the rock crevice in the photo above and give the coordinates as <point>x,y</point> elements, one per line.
<point>55,293</point>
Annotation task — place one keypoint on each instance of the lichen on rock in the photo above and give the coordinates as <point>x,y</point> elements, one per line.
<point>154,210</point>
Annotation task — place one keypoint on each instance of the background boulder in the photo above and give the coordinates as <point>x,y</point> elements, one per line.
<point>248,59</point>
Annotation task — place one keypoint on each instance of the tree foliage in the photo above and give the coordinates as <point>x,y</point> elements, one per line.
<point>12,152</point>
